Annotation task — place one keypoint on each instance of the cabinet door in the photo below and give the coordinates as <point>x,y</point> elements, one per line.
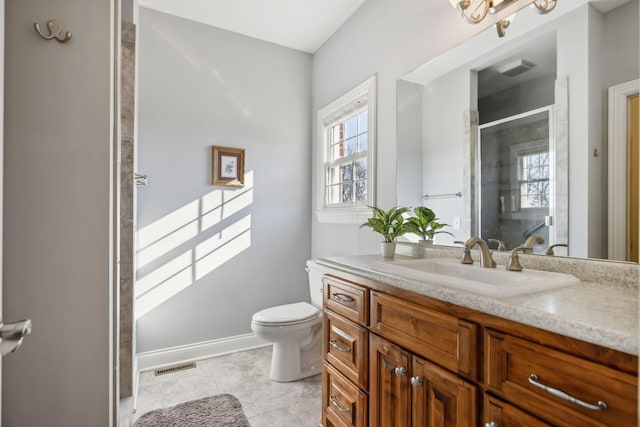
<point>501,414</point>
<point>389,389</point>
<point>440,398</point>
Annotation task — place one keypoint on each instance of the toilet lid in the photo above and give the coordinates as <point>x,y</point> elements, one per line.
<point>297,312</point>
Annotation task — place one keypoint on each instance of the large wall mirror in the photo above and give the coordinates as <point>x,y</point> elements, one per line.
<point>530,137</point>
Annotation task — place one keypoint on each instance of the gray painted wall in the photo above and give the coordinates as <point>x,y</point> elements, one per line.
<point>409,120</point>
<point>387,38</point>
<point>200,86</point>
<point>56,254</point>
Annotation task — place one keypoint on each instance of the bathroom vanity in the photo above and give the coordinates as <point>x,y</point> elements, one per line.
<point>404,352</point>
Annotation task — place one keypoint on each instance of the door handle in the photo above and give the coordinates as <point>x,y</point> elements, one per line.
<point>12,335</point>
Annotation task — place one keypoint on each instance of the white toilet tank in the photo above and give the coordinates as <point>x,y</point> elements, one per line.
<point>315,283</point>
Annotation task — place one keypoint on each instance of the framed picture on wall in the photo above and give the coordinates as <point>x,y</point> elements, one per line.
<point>228,166</point>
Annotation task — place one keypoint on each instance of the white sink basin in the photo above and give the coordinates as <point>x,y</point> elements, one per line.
<point>495,282</point>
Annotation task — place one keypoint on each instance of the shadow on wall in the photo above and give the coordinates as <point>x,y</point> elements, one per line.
<point>159,239</point>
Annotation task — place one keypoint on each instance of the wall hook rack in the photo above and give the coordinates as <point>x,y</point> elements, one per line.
<point>55,31</point>
<point>141,180</point>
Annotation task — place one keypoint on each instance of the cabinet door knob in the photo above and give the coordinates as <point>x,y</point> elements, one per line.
<point>492,424</point>
<point>416,381</point>
<point>400,371</point>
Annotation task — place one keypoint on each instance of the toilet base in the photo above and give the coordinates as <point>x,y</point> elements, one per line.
<point>290,363</point>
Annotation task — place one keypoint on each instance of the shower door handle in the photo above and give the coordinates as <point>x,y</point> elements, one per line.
<point>12,335</point>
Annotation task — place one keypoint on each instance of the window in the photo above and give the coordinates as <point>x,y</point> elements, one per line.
<point>534,180</point>
<point>346,144</point>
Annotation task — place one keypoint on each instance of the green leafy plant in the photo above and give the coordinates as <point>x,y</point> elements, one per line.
<point>425,224</point>
<point>388,223</point>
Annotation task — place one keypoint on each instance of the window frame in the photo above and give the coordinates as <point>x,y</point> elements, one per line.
<point>522,181</point>
<point>328,116</point>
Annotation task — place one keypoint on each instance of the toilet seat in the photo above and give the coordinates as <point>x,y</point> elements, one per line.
<point>288,314</point>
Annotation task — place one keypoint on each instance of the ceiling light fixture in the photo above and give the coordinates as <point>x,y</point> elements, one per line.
<point>474,11</point>
<point>543,6</point>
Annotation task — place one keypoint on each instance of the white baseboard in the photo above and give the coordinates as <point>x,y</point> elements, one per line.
<point>203,350</point>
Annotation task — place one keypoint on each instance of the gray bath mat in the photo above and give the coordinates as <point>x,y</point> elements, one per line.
<point>223,410</point>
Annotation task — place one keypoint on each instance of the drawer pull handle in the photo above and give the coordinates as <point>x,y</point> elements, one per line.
<point>400,371</point>
<point>416,381</point>
<point>533,379</point>
<point>343,298</point>
<point>335,403</point>
<point>337,346</point>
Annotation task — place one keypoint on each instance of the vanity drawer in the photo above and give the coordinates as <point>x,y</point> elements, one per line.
<point>347,299</point>
<point>346,347</point>
<point>507,415</point>
<point>438,337</point>
<point>513,366</point>
<point>344,404</point>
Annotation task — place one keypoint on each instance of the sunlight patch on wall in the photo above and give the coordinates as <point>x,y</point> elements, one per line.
<point>220,205</point>
<point>222,247</point>
<point>167,234</point>
<point>163,273</point>
<point>180,227</point>
<point>164,291</point>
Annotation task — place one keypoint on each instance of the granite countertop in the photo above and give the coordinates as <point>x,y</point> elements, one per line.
<point>601,313</point>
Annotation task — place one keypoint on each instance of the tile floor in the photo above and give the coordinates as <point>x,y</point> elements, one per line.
<point>245,375</point>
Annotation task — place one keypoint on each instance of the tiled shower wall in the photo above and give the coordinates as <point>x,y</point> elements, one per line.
<point>127,210</point>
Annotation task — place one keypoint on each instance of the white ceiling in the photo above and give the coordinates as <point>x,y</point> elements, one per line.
<point>299,24</point>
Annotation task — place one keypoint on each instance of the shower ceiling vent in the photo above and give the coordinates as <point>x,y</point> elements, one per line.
<point>513,68</point>
<point>175,368</point>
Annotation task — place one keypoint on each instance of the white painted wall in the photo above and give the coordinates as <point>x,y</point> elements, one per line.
<point>200,86</point>
<point>387,38</point>
<point>57,175</point>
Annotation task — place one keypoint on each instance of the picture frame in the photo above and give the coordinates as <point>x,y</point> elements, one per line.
<point>228,166</point>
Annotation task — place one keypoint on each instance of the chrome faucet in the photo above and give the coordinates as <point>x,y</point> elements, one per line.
<point>486,260</point>
<point>531,240</point>
<point>550,248</point>
<point>514,261</point>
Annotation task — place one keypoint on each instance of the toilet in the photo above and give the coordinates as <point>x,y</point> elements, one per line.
<point>296,333</point>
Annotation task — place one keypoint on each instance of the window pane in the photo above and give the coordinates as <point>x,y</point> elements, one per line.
<point>363,124</point>
<point>351,145</point>
<point>351,127</point>
<point>338,133</point>
<point>347,173</point>
<point>333,194</point>
<point>361,169</point>
<point>361,191</point>
<point>337,151</point>
<point>363,143</point>
<point>347,192</point>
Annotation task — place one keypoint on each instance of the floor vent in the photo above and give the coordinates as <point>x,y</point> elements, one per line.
<point>175,368</point>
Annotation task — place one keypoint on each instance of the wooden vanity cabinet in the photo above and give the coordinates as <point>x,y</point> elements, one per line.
<point>397,359</point>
